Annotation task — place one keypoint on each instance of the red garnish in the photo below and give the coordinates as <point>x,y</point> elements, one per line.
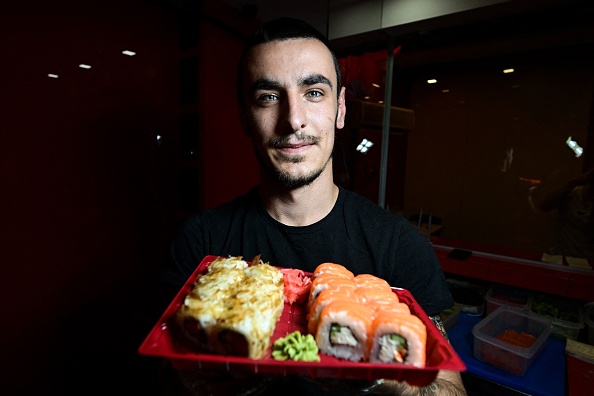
<point>297,285</point>
<point>522,340</point>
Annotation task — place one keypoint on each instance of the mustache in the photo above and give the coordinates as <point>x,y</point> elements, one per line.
<point>292,139</point>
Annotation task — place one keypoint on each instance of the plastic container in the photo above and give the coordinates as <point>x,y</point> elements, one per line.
<point>503,355</point>
<point>470,299</point>
<point>589,320</point>
<point>566,314</point>
<point>450,317</point>
<point>580,368</point>
<point>164,342</point>
<point>512,297</point>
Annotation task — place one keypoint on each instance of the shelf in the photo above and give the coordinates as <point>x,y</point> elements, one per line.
<point>524,273</point>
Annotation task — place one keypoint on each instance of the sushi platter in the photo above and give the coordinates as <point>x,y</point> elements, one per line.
<point>162,341</point>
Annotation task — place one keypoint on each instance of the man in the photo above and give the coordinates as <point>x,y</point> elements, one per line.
<point>574,201</point>
<point>292,101</point>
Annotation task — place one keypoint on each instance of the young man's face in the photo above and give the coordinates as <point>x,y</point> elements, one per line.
<point>292,108</point>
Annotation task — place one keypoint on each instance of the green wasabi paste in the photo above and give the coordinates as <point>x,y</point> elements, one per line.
<point>296,346</point>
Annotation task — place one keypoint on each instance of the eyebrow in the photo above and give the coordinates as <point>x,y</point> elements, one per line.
<point>315,79</point>
<point>264,84</point>
<point>268,84</point>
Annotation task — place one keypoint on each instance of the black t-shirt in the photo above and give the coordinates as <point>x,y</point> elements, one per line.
<point>357,234</point>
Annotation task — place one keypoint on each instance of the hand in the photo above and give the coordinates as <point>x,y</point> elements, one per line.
<point>207,382</point>
<point>363,387</point>
<point>584,178</point>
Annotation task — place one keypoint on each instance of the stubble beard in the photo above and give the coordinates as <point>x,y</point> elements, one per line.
<point>285,179</point>
<point>288,181</point>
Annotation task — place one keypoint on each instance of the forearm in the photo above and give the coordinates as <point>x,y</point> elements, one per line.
<point>447,383</point>
<point>554,199</point>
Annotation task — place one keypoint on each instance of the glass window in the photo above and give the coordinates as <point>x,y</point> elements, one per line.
<point>502,116</point>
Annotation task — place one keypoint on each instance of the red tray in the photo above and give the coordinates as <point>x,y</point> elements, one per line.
<point>161,342</point>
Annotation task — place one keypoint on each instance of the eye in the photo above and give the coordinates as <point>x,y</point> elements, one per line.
<point>268,97</point>
<point>314,94</point>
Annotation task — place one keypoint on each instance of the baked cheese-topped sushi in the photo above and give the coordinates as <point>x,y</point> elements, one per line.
<point>398,338</point>
<point>233,308</point>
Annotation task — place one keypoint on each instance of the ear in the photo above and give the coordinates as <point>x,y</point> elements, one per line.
<point>341,111</point>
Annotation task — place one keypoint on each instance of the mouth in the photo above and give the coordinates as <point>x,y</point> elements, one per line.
<point>294,151</point>
<point>289,146</point>
<point>293,146</point>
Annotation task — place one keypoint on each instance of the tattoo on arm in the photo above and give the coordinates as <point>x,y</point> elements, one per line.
<point>442,386</point>
<point>439,324</point>
<point>431,389</point>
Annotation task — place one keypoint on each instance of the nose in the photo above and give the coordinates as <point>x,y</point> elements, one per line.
<point>295,112</point>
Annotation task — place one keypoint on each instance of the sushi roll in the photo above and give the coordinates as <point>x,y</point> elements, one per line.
<point>369,294</point>
<point>382,306</point>
<point>398,338</point>
<point>344,330</point>
<point>333,268</point>
<point>232,309</point>
<point>328,281</point>
<point>326,297</point>
<point>368,280</point>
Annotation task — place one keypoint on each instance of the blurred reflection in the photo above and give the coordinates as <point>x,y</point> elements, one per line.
<point>485,145</point>
<point>574,201</point>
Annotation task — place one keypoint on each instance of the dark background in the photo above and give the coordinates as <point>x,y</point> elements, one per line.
<point>89,197</point>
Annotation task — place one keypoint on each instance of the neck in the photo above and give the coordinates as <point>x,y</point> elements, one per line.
<point>300,206</point>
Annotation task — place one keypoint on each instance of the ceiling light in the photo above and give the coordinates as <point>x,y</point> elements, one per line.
<point>431,81</point>
<point>364,146</point>
<point>508,71</point>
<point>83,66</point>
<point>52,75</point>
<point>572,144</point>
<point>375,85</point>
<point>129,53</point>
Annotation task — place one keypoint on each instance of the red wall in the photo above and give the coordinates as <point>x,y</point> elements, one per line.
<point>86,210</point>
<point>227,151</point>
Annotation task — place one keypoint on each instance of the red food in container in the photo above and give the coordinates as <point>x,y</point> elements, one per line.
<point>162,341</point>
<point>522,340</point>
<point>489,348</point>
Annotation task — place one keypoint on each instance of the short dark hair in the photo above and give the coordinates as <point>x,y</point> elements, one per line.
<point>280,29</point>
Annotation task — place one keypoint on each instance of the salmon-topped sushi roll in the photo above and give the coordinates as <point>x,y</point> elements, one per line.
<point>324,298</point>
<point>368,294</point>
<point>381,305</point>
<point>398,338</point>
<point>328,281</point>
<point>333,268</point>
<point>344,330</point>
<point>368,280</point>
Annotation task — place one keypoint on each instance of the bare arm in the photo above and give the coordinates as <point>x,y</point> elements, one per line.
<point>447,383</point>
<point>556,197</point>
